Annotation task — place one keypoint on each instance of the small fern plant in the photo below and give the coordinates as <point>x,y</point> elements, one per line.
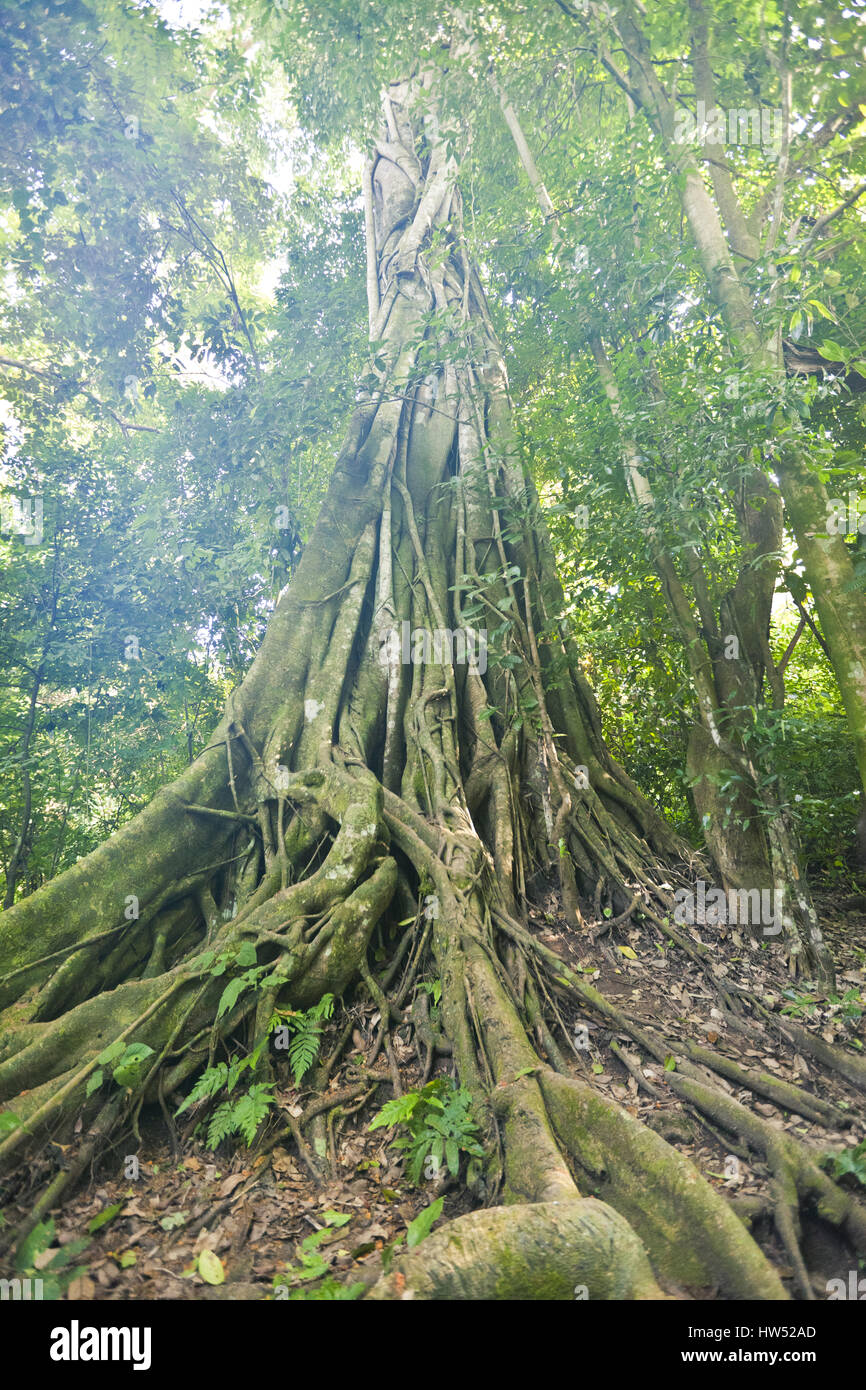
<point>243,1114</point>
<point>235,1115</point>
<point>439,1127</point>
<point>313,1267</point>
<point>305,1031</point>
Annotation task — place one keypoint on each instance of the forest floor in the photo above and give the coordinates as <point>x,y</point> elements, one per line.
<point>253,1208</point>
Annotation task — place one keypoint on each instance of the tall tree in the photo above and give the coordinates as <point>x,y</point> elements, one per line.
<point>351,778</point>
<point>748,253</point>
<point>748,833</point>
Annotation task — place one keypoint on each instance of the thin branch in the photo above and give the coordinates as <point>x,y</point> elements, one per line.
<point>78,389</point>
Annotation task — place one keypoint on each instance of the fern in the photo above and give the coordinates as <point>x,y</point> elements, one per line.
<point>251,1109</point>
<point>242,1116</point>
<point>224,1075</point>
<point>209,1083</point>
<point>324,1009</point>
<point>220,1126</point>
<point>439,1125</point>
<point>303,1051</point>
<point>307,1031</point>
<point>396,1112</point>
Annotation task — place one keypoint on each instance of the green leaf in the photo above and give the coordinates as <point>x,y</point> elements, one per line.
<point>172,1221</point>
<point>65,1255</point>
<point>130,1068</point>
<point>424,1223</point>
<point>230,996</point>
<point>221,1124</point>
<point>94,1082</point>
<point>249,1111</point>
<point>39,1239</point>
<point>832,351</point>
<point>396,1111</point>
<point>210,1267</point>
<point>336,1218</point>
<point>102,1218</point>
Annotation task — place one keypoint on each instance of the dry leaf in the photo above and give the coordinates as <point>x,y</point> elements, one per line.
<point>228,1185</point>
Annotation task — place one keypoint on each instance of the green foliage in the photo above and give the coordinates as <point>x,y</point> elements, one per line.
<point>130,1069</point>
<point>423,1223</point>
<point>131,1065</point>
<point>241,1116</point>
<point>439,1124</point>
<point>305,1029</point>
<point>57,1271</point>
<point>223,1076</point>
<point>848,1005</point>
<point>850,1162</point>
<point>103,1217</point>
<point>799,1003</point>
<point>433,988</point>
<point>313,1267</point>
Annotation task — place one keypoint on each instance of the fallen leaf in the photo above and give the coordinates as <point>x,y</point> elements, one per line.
<point>228,1185</point>
<point>211,1268</point>
<point>82,1287</point>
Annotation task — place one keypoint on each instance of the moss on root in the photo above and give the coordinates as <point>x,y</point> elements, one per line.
<point>691,1233</point>
<point>544,1251</point>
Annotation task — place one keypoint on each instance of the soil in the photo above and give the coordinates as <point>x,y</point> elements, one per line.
<point>253,1207</point>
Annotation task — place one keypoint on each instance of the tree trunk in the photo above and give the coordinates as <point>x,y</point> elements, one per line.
<point>21,851</point>
<point>345,780</point>
<point>826,559</point>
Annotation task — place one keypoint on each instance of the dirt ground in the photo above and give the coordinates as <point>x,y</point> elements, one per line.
<point>253,1208</point>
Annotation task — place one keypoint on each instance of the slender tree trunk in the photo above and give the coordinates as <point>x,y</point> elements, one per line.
<point>21,851</point>
<point>827,562</point>
<point>747,833</point>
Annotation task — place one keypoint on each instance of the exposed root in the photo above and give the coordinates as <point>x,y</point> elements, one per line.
<point>550,1250</point>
